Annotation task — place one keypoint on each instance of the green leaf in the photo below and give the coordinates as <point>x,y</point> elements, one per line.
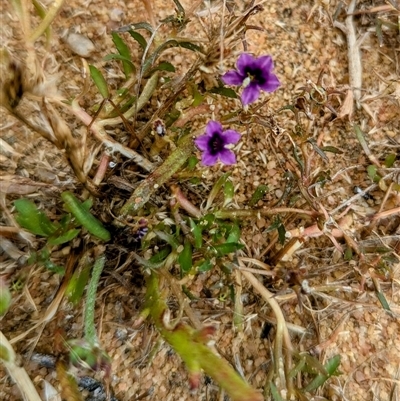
<point>124,51</point>
<point>49,265</point>
<point>142,25</point>
<point>63,238</point>
<point>390,159</point>
<point>5,297</point>
<point>161,255</point>
<point>259,193</point>
<point>216,189</point>
<point>164,46</point>
<point>139,38</point>
<point>99,81</point>
<point>32,219</point>
<point>229,191</point>
<point>228,247</point>
<point>197,233</point>
<point>297,369</point>
<point>383,301</point>
<point>331,367</point>
<point>185,257</point>
<point>227,92</point>
<point>164,66</point>
<point>281,234</point>
<point>148,263</point>
<point>168,238</point>
<point>179,6</point>
<point>234,235</point>
<point>192,162</point>
<point>372,173</point>
<point>275,393</point>
<point>198,98</point>
<point>120,57</point>
<point>84,217</point>
<point>331,149</point>
<point>205,266</point>
<point>77,283</point>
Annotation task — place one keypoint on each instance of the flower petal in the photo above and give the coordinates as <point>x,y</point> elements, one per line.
<point>202,142</point>
<point>232,78</point>
<point>265,63</point>
<point>207,159</point>
<point>250,94</point>
<point>213,127</point>
<point>244,62</point>
<point>231,136</point>
<point>271,84</point>
<point>227,157</point>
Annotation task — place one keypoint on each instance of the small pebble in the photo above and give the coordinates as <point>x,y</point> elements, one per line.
<point>80,45</point>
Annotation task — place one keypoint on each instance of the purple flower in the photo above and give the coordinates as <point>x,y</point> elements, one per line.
<point>254,74</point>
<point>214,143</point>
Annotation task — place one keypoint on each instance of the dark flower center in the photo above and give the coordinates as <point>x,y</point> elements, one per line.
<point>216,144</point>
<point>256,75</point>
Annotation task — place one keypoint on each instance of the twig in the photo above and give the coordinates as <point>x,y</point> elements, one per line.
<point>282,333</point>
<point>353,51</point>
<point>17,373</point>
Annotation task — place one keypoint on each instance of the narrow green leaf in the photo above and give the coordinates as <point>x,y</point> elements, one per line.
<point>297,369</point>
<point>281,234</point>
<point>77,284</point>
<point>179,6</point>
<point>228,247</point>
<point>5,297</point>
<point>160,256</point>
<point>64,238</point>
<point>148,263</point>
<point>168,238</point>
<point>216,189</point>
<point>275,393</point>
<point>320,379</point>
<point>185,257</point>
<point>227,92</point>
<point>259,193</point>
<point>229,191</point>
<point>139,38</point>
<point>124,51</point>
<point>32,219</point>
<point>164,46</point>
<point>331,149</point>
<point>99,81</point>
<point>197,234</point>
<point>120,57</point>
<point>164,66</point>
<point>84,217</point>
<point>383,301</point>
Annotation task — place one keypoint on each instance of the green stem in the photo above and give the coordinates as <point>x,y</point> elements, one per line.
<point>191,346</point>
<point>234,214</point>
<point>158,177</point>
<point>48,19</point>
<point>90,329</point>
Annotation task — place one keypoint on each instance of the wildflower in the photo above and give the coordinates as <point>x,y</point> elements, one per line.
<point>214,144</point>
<point>254,74</point>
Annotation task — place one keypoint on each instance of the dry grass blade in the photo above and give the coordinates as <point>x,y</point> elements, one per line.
<point>16,372</point>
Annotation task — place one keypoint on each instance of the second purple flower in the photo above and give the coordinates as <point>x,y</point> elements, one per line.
<point>255,74</point>
<point>214,144</point>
